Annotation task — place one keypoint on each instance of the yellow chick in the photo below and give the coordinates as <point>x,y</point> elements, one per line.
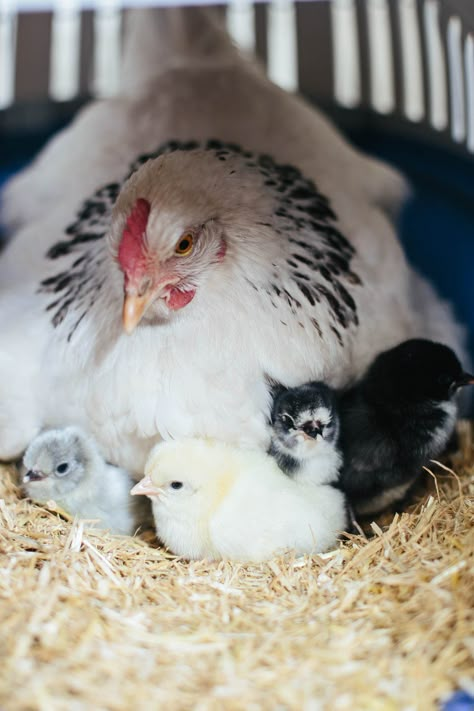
<point>211,500</point>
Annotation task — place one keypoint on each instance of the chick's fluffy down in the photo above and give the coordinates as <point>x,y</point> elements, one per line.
<point>237,504</point>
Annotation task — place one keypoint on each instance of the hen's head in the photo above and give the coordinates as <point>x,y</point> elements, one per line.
<point>175,222</point>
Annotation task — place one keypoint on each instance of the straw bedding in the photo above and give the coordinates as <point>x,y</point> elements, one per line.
<point>93,621</point>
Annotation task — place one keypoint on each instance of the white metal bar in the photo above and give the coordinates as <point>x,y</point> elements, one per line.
<point>346,62</point>
<point>382,89</point>
<point>7,53</point>
<point>107,48</point>
<point>65,48</point>
<point>282,44</point>
<point>438,91</point>
<point>412,65</point>
<point>240,20</point>
<point>469,66</point>
<point>46,5</point>
<point>456,80</point>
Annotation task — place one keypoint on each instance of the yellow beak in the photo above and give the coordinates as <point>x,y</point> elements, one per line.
<point>134,307</point>
<point>145,487</point>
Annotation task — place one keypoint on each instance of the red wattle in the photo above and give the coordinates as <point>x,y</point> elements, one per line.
<point>177,299</point>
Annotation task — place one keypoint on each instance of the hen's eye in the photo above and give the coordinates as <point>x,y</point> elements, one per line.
<point>185,245</point>
<point>62,468</point>
<point>176,484</point>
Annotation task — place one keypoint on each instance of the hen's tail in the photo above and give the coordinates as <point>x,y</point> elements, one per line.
<point>158,38</point>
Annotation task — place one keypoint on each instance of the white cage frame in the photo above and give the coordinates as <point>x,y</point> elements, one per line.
<point>409,59</point>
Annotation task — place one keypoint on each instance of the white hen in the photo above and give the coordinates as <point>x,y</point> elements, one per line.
<point>234,265</point>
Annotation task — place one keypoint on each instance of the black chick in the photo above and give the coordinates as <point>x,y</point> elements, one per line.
<point>398,417</point>
<point>305,431</point>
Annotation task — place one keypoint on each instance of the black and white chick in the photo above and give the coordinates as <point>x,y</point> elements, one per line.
<point>65,465</point>
<point>396,419</point>
<point>305,433</point>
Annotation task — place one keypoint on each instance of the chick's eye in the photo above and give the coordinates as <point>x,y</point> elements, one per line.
<point>62,468</point>
<point>185,244</point>
<point>176,484</point>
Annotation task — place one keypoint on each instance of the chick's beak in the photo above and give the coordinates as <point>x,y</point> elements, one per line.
<point>145,487</point>
<point>32,475</point>
<point>312,429</point>
<point>134,307</point>
<point>465,379</point>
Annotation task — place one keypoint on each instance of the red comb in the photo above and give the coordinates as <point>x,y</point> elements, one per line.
<point>131,251</point>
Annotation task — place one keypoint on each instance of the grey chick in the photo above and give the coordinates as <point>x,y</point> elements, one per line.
<point>65,465</point>
<point>305,433</point>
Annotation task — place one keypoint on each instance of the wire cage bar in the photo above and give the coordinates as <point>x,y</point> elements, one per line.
<point>411,61</point>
